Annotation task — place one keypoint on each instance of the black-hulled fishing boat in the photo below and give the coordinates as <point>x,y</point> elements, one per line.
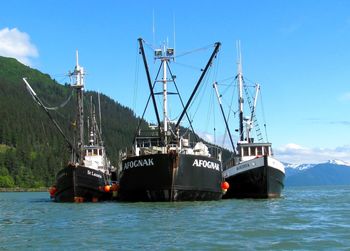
<point>86,178</point>
<point>252,172</point>
<point>162,165</point>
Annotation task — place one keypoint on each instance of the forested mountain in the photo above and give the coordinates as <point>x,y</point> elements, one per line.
<point>31,149</point>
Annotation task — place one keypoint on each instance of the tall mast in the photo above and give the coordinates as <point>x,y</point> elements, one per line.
<point>91,128</point>
<point>165,98</point>
<point>99,113</point>
<point>240,90</point>
<point>165,55</point>
<point>79,86</point>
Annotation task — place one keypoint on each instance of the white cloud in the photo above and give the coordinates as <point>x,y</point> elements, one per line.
<point>16,44</point>
<point>296,154</point>
<point>293,153</point>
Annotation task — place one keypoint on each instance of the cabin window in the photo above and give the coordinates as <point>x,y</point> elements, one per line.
<point>266,150</point>
<point>95,151</point>
<point>252,151</point>
<point>245,151</point>
<point>100,152</point>
<point>259,151</point>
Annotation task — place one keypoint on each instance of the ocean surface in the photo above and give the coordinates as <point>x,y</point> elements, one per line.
<point>306,218</point>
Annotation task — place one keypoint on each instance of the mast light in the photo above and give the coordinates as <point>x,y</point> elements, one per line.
<point>170,52</point>
<point>158,53</point>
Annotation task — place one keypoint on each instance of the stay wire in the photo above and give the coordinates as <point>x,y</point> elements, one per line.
<point>149,98</point>
<point>183,106</point>
<point>136,77</point>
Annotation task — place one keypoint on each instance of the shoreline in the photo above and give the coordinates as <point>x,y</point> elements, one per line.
<point>21,189</point>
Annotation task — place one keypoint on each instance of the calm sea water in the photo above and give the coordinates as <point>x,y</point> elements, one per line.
<point>316,218</point>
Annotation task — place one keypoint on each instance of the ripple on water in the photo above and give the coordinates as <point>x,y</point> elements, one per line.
<point>304,219</point>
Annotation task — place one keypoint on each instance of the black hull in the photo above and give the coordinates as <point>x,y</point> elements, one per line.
<point>170,177</point>
<point>262,182</point>
<point>80,184</point>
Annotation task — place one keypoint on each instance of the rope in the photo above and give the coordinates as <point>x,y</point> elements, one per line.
<point>263,115</point>
<point>55,107</point>
<point>61,105</point>
<point>136,78</point>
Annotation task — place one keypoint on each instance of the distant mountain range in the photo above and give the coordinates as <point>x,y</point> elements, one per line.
<point>332,172</point>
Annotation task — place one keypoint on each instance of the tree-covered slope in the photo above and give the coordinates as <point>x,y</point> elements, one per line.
<point>31,149</point>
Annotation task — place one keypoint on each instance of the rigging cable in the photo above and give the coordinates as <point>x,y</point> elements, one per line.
<point>55,107</point>
<point>149,98</point>
<point>195,50</point>
<point>230,110</point>
<point>136,77</point>
<point>183,106</point>
<point>263,114</point>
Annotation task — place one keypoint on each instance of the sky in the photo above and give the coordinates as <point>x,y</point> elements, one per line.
<point>298,51</point>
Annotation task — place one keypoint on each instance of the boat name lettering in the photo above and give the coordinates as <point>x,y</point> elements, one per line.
<point>137,163</point>
<point>206,164</point>
<point>242,166</point>
<point>94,174</point>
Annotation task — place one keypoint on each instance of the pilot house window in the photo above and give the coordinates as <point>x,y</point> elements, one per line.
<point>259,151</point>
<point>245,151</point>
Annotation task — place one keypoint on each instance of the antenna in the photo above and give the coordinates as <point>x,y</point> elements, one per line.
<point>239,56</point>
<point>240,89</point>
<point>153,29</point>
<point>99,111</point>
<point>174,35</point>
<point>77,58</point>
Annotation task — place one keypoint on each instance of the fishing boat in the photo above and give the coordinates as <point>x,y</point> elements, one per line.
<point>163,165</point>
<point>252,172</point>
<point>86,178</point>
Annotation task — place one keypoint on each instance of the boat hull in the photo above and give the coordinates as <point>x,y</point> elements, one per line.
<point>260,178</point>
<point>170,177</point>
<point>80,184</point>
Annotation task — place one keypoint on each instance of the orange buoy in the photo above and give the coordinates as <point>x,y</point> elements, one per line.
<point>78,199</point>
<point>107,188</point>
<point>225,185</point>
<point>52,190</point>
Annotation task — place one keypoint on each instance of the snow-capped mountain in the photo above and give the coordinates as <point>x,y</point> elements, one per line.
<point>299,166</point>
<point>332,172</point>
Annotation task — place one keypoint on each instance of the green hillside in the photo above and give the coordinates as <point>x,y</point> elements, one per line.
<point>31,149</point>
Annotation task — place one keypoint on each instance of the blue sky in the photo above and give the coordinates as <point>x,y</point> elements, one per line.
<point>299,51</point>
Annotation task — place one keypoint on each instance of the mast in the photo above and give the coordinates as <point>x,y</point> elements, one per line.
<point>165,97</point>
<point>91,128</point>
<point>99,114</point>
<point>240,90</point>
<point>79,86</point>
<point>165,56</point>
